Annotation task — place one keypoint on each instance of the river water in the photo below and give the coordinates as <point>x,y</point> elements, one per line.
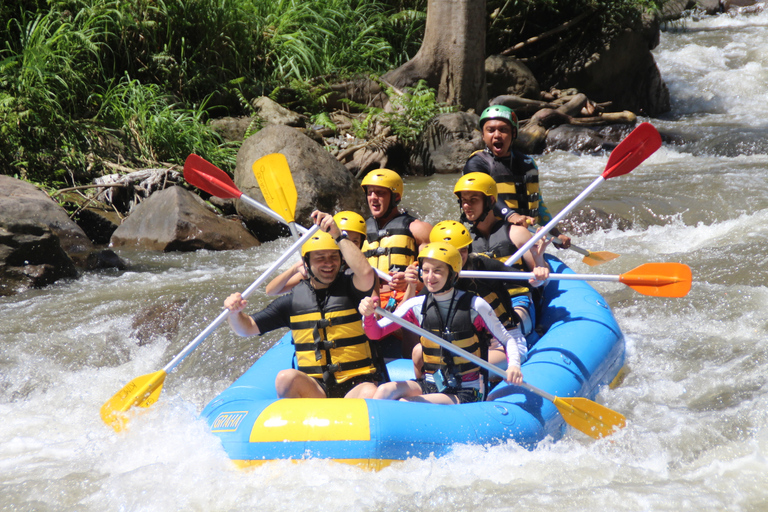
<point>696,395</point>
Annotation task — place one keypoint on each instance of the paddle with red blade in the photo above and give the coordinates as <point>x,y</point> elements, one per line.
<point>206,176</point>
<point>653,279</point>
<point>641,143</point>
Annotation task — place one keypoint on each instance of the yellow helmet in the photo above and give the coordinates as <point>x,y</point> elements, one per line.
<point>384,178</point>
<point>476,182</point>
<point>350,221</point>
<point>452,232</point>
<point>320,241</point>
<point>442,251</point>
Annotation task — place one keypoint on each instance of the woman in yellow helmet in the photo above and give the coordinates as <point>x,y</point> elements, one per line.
<point>454,315</point>
<point>351,224</point>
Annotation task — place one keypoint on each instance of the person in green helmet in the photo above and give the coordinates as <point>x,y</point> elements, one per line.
<point>516,174</point>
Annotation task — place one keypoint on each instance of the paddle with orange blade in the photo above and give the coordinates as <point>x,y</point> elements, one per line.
<point>591,258</point>
<point>144,391</point>
<point>654,279</point>
<point>641,143</point>
<point>583,414</point>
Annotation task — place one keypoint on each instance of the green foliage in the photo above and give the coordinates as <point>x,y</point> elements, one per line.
<point>137,81</point>
<point>411,112</point>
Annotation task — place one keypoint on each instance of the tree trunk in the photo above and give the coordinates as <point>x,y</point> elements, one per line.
<point>452,56</point>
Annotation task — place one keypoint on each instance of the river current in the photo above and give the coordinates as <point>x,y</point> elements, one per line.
<point>695,396</point>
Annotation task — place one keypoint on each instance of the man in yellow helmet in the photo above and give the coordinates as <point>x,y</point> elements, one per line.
<point>519,199</point>
<point>496,239</point>
<point>334,356</point>
<point>393,238</point>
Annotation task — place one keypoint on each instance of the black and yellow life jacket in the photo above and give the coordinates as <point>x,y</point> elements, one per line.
<point>331,344</point>
<point>458,329</point>
<point>517,181</point>
<point>391,247</point>
<point>493,291</point>
<point>499,247</point>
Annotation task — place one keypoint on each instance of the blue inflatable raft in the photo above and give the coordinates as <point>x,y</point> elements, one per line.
<point>582,350</point>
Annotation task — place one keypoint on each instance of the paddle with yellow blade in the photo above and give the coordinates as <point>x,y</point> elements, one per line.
<point>276,183</point>
<point>641,143</point>
<point>591,258</point>
<point>583,414</point>
<point>206,176</point>
<point>654,279</point>
<point>144,391</point>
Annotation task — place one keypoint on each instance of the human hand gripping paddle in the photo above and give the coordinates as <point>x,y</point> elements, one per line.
<point>641,143</point>
<point>206,176</point>
<point>583,414</point>
<point>145,390</point>
<point>654,279</point>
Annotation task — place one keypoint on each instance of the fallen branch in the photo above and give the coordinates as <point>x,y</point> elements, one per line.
<point>535,39</point>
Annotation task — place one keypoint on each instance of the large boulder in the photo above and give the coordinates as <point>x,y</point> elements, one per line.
<point>508,75</point>
<point>625,74</point>
<point>447,143</point>
<point>22,201</point>
<point>321,181</point>
<point>175,219</point>
<point>30,256</point>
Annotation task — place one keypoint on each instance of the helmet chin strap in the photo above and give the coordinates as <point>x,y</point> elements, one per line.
<point>312,274</point>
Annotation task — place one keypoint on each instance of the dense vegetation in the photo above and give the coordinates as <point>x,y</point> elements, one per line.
<point>135,82</point>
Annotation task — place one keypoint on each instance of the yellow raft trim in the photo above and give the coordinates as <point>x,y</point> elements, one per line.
<point>313,419</point>
<point>366,464</point>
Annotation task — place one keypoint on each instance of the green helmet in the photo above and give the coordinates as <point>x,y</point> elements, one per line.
<point>499,112</point>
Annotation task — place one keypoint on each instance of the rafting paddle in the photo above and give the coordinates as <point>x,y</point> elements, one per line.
<point>206,176</point>
<point>654,279</point>
<point>641,143</point>
<point>144,391</point>
<point>591,258</point>
<point>276,183</point>
<point>583,414</point>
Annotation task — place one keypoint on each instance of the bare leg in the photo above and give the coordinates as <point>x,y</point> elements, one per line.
<point>295,384</point>
<point>396,390</point>
<point>433,398</point>
<point>362,390</point>
<point>418,360</point>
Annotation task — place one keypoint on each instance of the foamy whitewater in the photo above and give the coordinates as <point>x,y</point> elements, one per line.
<point>695,396</point>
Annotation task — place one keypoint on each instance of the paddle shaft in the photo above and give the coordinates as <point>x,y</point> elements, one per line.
<point>223,315</point>
<point>460,351</point>
<point>524,276</point>
<point>552,223</point>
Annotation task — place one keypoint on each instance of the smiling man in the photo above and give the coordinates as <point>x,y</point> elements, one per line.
<point>516,175</point>
<point>334,357</point>
<point>392,242</point>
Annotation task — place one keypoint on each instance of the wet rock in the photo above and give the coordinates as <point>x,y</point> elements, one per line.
<point>321,181</point>
<point>175,219</point>
<point>159,319</point>
<point>447,143</point>
<point>30,256</point>
<point>589,220</point>
<point>23,202</point>
<point>577,139</point>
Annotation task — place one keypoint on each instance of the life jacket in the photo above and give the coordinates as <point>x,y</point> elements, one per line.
<point>493,291</point>
<point>391,247</point>
<point>459,330</point>
<point>499,247</point>
<point>331,344</point>
<point>517,181</point>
